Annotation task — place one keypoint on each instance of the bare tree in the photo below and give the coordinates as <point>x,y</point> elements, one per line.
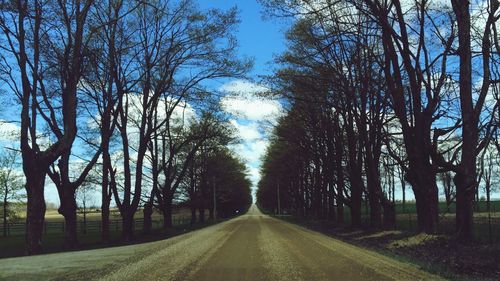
<point>415,78</point>
<point>170,38</point>
<point>471,109</point>
<point>43,71</point>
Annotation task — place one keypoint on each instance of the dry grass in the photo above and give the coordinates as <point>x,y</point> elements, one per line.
<point>414,240</point>
<point>379,234</point>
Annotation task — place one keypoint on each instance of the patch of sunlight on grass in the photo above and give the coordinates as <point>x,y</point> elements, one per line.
<point>380,234</point>
<point>415,240</point>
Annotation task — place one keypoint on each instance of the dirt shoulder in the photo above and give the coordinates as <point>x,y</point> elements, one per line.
<point>438,254</point>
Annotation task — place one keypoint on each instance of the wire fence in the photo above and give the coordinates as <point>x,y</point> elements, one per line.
<point>486,225</point>
<point>90,226</point>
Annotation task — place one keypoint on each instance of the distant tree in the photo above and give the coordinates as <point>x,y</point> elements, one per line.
<point>446,179</point>
<point>85,197</point>
<point>177,153</point>
<point>228,184</point>
<point>169,37</point>
<point>489,173</point>
<point>11,185</point>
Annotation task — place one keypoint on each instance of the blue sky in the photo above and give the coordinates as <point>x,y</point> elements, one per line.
<point>258,38</point>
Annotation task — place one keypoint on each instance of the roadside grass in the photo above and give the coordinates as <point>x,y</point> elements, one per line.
<point>486,225</point>
<point>480,207</point>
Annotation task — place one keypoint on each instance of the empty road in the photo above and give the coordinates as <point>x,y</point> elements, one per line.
<point>251,247</point>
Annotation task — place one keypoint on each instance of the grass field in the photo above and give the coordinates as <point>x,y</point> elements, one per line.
<point>410,207</point>
<point>486,225</point>
<point>13,245</point>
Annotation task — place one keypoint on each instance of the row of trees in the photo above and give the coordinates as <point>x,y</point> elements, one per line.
<point>379,93</point>
<point>116,88</point>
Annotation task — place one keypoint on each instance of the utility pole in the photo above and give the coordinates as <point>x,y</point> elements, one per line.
<point>278,195</point>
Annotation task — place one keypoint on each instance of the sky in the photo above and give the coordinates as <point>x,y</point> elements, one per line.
<point>258,38</point>
<point>262,40</point>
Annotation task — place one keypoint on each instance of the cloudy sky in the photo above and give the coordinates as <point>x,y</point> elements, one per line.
<point>253,117</point>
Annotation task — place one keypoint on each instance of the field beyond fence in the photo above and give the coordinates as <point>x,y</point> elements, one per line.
<point>89,232</point>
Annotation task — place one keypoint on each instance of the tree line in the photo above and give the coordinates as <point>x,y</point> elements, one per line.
<point>383,94</point>
<point>116,92</point>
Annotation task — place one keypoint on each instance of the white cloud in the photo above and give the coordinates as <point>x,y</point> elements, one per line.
<point>8,131</point>
<point>248,132</point>
<point>252,112</point>
<point>243,87</point>
<point>251,151</point>
<point>243,100</point>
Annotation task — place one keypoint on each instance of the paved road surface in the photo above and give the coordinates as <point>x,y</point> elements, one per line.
<point>251,247</point>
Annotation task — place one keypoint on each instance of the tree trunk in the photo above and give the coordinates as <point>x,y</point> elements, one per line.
<point>167,216</point>
<point>465,178</point>
<point>356,198</point>
<point>403,188</point>
<point>127,225</point>
<point>35,185</point>
<point>5,208</point>
<point>464,207</point>
<point>340,212</point>
<point>201,214</point>
<point>193,214</point>
<point>105,220</point>
<point>426,197</point>
<point>211,213</point>
<point>389,214</point>
<point>375,210</point>
<point>332,213</point>
<point>84,218</point>
<point>147,220</point>
<point>68,211</point>
<point>374,196</point>
<point>105,195</point>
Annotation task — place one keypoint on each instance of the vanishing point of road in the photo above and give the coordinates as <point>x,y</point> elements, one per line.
<point>251,247</point>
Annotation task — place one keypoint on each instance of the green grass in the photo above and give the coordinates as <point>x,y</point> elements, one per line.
<point>410,207</point>
<point>13,246</point>
<point>406,219</point>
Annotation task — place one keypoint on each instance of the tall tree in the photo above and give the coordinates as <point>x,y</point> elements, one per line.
<point>44,45</point>
<point>170,38</point>
<point>471,109</point>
